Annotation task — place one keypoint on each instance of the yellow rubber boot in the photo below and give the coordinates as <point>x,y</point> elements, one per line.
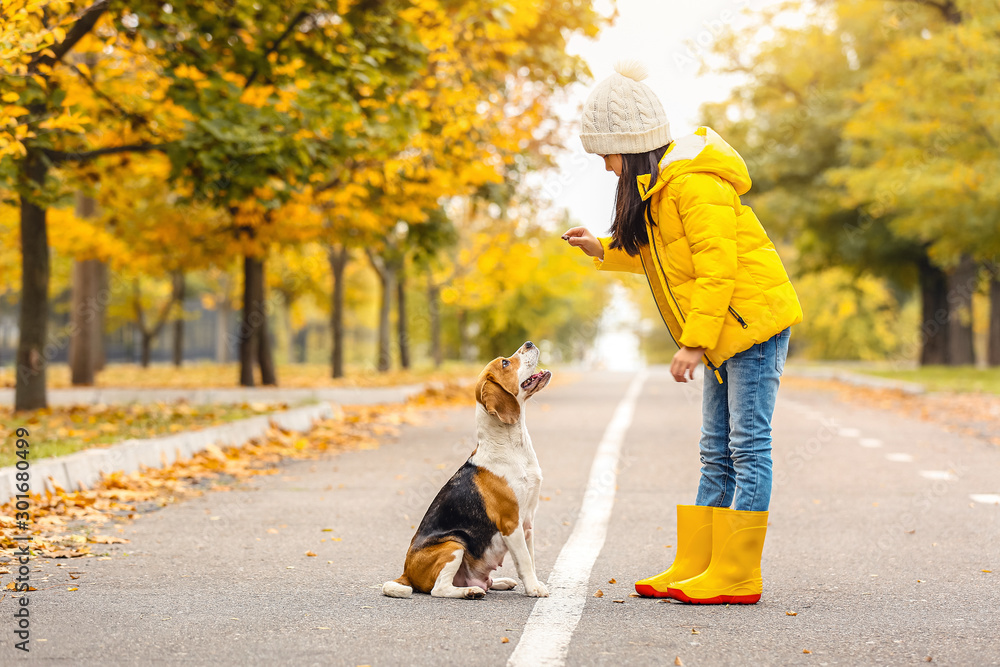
<point>694,551</point>
<point>733,576</point>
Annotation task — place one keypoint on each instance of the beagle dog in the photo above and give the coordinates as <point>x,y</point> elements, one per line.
<point>487,508</point>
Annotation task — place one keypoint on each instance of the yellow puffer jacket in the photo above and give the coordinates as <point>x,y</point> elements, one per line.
<point>715,275</point>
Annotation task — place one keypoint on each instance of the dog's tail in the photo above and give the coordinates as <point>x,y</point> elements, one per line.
<point>399,588</point>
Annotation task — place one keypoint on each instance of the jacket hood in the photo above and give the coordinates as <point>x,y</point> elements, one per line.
<point>704,151</point>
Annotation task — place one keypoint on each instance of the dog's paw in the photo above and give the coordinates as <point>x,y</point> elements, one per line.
<point>537,591</point>
<point>503,584</point>
<point>474,593</point>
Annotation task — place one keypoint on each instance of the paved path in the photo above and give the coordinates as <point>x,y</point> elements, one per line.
<point>291,395</point>
<point>874,541</point>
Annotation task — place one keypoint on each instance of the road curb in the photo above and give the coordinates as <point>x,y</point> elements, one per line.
<point>83,469</point>
<point>856,379</point>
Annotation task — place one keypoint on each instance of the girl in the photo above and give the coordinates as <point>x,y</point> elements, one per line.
<point>726,301</point>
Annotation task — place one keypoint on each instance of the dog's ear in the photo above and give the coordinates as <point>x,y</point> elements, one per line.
<point>498,401</point>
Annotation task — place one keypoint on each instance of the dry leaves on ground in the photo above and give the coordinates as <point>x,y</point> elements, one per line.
<point>973,414</point>
<point>65,524</point>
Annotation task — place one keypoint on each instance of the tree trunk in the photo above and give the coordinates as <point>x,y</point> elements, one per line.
<point>86,310</point>
<point>387,280</point>
<point>384,359</point>
<point>339,256</point>
<point>434,312</point>
<point>962,283</point>
<point>265,349</point>
<point>934,314</point>
<point>287,302</point>
<point>179,289</point>
<point>222,332</point>
<point>85,329</point>
<point>265,356</point>
<point>147,345</point>
<point>148,333</point>
<point>402,326</point>
<point>301,344</point>
<point>33,318</point>
<point>993,353</point>
<point>103,298</point>
<point>251,320</point>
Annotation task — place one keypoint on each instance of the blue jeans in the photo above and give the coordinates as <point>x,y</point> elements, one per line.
<point>736,427</point>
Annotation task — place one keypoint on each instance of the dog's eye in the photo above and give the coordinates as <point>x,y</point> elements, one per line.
<point>506,363</point>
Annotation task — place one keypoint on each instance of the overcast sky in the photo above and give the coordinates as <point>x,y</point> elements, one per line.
<point>659,33</point>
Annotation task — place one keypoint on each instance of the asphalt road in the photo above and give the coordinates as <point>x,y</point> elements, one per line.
<point>875,543</point>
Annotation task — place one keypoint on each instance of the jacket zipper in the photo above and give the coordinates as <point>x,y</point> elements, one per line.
<point>648,279</point>
<point>715,369</point>
<point>667,282</point>
<point>738,318</point>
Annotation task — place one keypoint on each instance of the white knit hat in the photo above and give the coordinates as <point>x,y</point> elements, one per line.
<point>623,115</point>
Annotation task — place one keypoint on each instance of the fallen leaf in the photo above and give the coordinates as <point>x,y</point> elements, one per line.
<point>791,613</point>
<point>74,588</point>
<point>310,553</point>
<point>987,571</point>
<point>72,576</point>
<point>928,659</point>
<point>273,531</point>
<point>504,640</point>
<point>105,539</point>
<point>12,586</point>
<point>599,593</point>
<point>612,581</point>
<point>634,595</point>
<point>327,530</point>
<point>677,661</point>
<point>805,650</point>
<point>619,601</point>
<point>694,632</point>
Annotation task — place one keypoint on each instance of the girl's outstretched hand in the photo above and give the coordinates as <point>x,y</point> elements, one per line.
<point>580,237</point>
<point>685,361</point>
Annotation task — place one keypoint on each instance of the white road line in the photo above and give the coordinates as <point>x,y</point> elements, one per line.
<point>546,636</point>
<point>899,458</point>
<point>938,474</point>
<point>870,442</point>
<point>986,498</point>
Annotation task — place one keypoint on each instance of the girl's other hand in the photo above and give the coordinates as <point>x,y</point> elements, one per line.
<point>684,363</point>
<point>580,237</point>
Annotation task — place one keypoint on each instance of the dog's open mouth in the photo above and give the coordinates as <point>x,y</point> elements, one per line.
<point>536,379</point>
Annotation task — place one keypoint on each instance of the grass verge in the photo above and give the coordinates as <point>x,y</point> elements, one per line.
<point>946,378</point>
<point>201,375</point>
<point>66,429</point>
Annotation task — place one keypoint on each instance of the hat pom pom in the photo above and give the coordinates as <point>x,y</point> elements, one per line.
<point>632,69</point>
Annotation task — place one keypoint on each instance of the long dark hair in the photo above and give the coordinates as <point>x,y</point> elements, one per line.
<point>628,231</point>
